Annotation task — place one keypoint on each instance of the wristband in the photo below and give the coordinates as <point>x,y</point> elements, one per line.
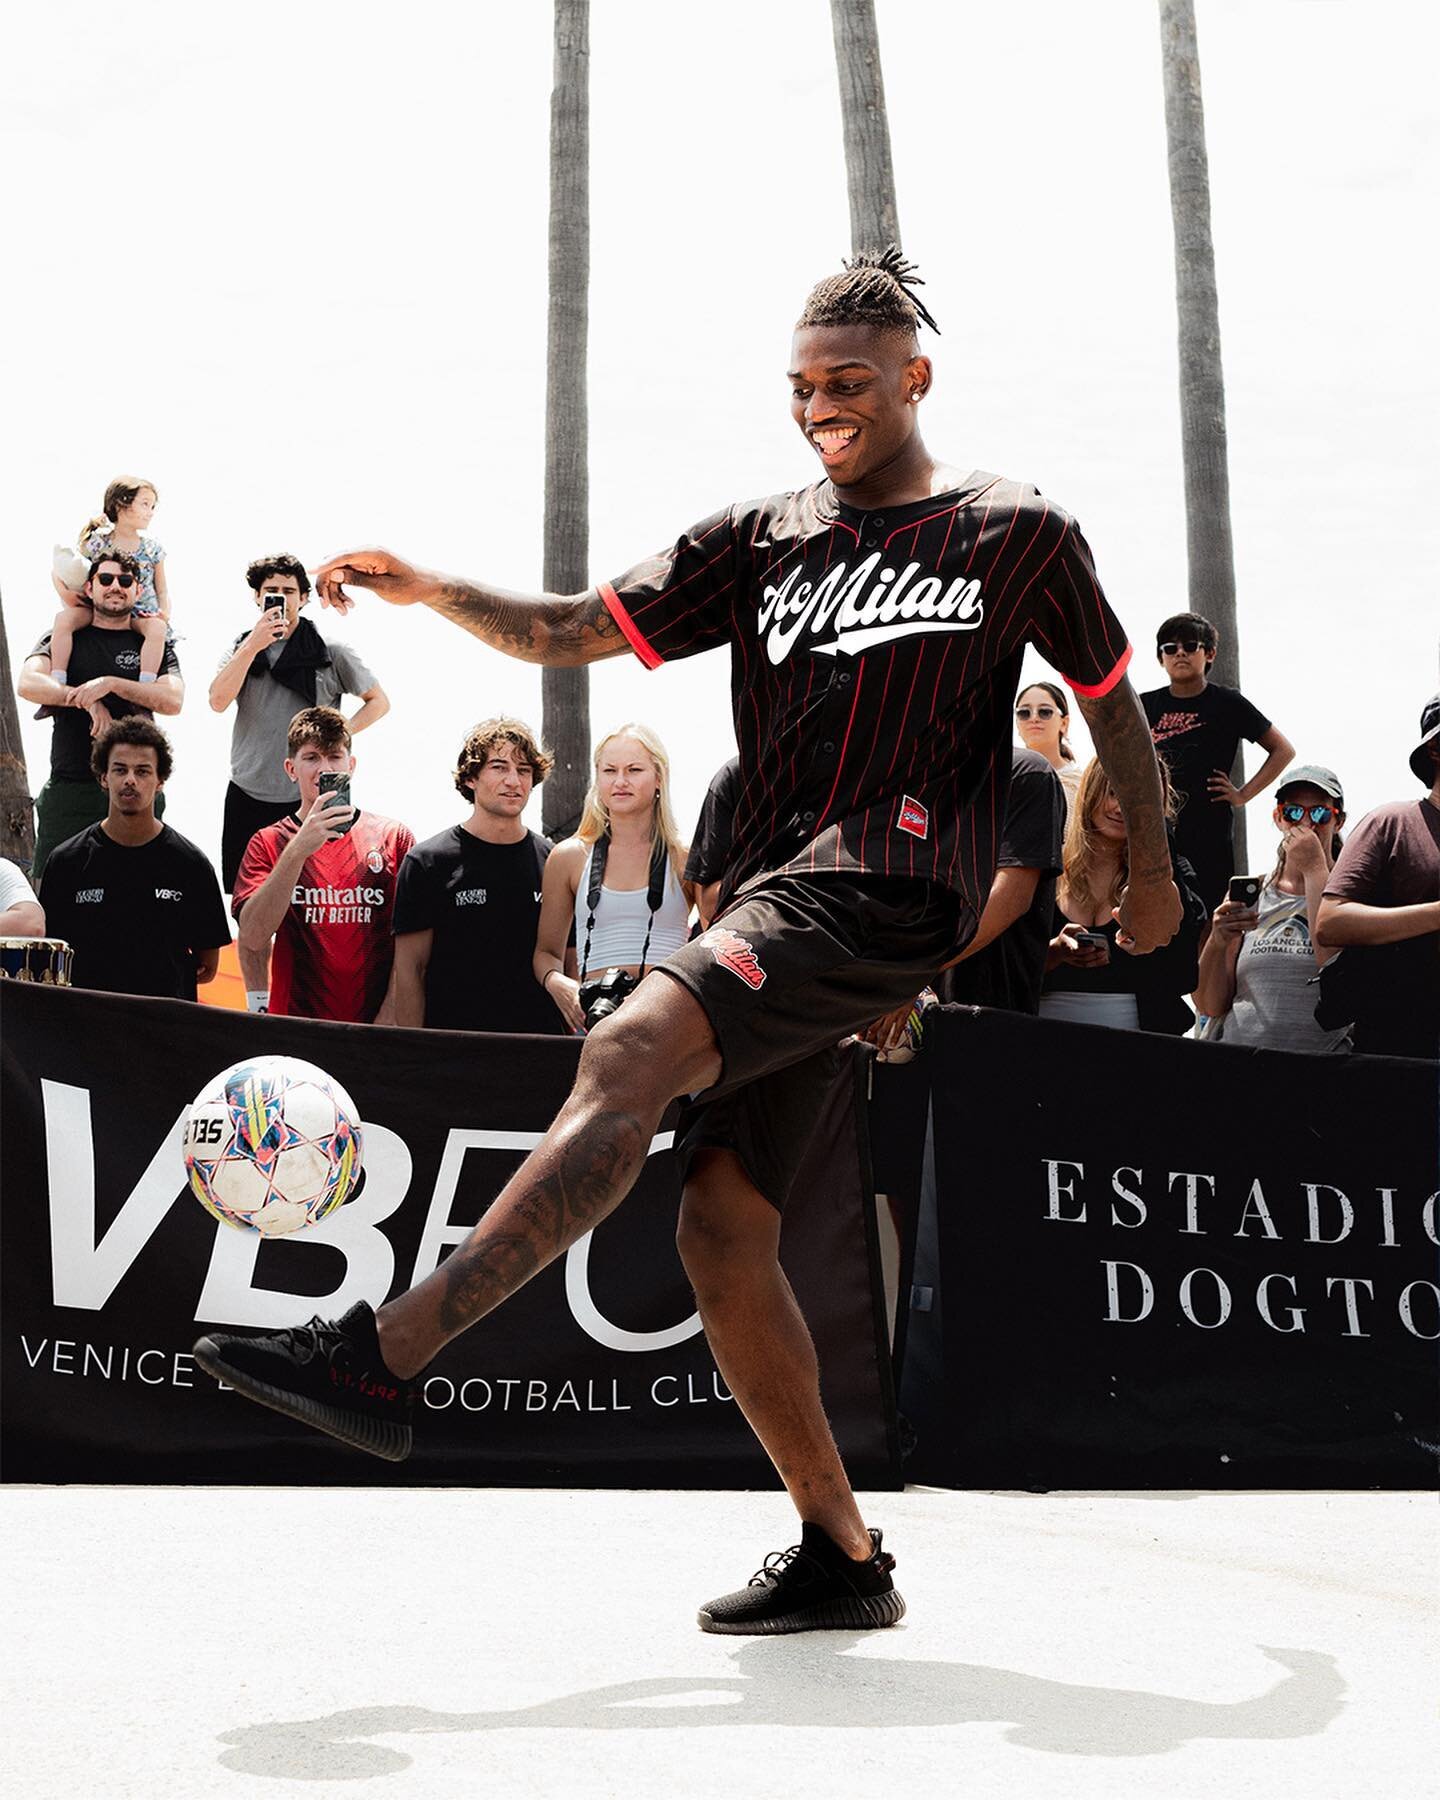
<point>257,1000</point>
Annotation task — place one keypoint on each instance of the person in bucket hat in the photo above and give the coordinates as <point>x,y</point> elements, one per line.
<point>1383,899</point>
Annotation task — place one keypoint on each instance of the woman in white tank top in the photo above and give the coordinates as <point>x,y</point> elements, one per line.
<point>629,799</point>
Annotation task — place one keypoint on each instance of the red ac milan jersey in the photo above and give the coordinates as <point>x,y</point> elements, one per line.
<point>874,662</point>
<point>335,947</point>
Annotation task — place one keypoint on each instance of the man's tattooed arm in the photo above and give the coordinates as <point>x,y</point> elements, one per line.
<point>1151,909</point>
<point>560,631</point>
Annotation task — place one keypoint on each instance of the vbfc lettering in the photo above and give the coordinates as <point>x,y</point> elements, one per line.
<point>87,1266</point>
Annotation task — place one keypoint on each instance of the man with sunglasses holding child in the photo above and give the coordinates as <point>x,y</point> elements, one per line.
<point>103,683</point>
<point>1197,726</point>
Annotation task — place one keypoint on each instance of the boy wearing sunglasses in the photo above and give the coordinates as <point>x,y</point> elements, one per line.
<point>102,684</point>
<point>1197,726</point>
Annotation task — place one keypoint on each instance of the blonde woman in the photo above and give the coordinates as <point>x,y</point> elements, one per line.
<point>1092,975</point>
<point>629,822</point>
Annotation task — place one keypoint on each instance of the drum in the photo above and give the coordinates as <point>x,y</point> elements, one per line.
<point>45,960</point>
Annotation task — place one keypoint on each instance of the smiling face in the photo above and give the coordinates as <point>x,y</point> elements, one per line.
<point>853,392</point>
<point>1106,818</point>
<point>109,599</point>
<point>626,779</point>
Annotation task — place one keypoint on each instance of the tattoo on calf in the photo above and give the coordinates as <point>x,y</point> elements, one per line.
<point>588,1177</point>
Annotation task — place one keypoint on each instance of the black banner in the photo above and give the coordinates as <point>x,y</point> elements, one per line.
<point>1175,1264</point>
<point>595,1374</point>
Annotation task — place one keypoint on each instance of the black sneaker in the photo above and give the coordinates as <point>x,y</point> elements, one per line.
<point>329,1375</point>
<point>813,1586</point>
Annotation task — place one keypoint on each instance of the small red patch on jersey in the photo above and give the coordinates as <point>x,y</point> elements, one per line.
<point>914,818</point>
<point>735,953</point>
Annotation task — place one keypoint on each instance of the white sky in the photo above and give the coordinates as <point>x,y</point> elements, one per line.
<point>289,262</point>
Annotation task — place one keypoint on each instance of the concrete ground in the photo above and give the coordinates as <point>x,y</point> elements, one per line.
<point>242,1642</point>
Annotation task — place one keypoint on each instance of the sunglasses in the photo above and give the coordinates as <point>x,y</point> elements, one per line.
<point>1034,712</point>
<point>1294,814</point>
<point>1188,645</point>
<point>124,580</point>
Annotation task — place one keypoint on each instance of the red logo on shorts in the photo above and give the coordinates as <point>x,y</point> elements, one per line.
<point>914,818</point>
<point>737,954</point>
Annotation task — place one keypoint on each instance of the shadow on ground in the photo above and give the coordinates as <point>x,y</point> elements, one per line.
<point>815,1685</point>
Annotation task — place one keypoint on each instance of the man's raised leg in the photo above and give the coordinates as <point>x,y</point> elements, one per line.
<point>353,1377</point>
<point>659,1045</point>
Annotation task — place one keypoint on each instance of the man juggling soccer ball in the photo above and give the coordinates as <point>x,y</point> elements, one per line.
<point>876,622</point>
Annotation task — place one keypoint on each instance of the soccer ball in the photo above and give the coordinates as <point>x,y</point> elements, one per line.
<point>272,1145</point>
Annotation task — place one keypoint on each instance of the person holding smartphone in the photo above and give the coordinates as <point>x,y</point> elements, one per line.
<point>279,663</point>
<point>1258,968</point>
<point>319,885</point>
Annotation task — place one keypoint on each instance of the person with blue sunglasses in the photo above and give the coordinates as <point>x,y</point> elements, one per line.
<point>1258,968</point>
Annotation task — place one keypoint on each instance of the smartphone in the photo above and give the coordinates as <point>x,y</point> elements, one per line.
<point>1092,937</point>
<point>1244,890</point>
<point>272,601</point>
<point>333,781</point>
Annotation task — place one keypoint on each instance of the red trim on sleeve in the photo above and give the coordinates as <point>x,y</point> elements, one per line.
<point>636,638</point>
<point>1094,693</point>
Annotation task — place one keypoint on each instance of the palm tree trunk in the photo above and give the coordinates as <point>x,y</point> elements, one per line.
<point>869,173</point>
<point>1210,550</point>
<point>566,692</point>
<point>17,822</point>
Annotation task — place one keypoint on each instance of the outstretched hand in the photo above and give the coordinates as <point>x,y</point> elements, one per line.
<point>378,571</point>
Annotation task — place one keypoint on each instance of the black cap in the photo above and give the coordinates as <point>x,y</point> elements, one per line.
<point>1420,759</point>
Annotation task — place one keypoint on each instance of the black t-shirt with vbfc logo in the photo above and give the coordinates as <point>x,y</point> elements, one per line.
<point>95,652</point>
<point>482,901</point>
<point>134,914</point>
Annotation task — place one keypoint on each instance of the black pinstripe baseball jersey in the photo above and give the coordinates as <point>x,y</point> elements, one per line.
<point>874,660</point>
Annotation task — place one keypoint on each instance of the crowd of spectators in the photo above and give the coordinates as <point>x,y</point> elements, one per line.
<point>341,915</point>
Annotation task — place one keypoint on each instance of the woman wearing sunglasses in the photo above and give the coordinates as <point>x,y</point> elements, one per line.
<point>1042,717</point>
<point>1257,972</point>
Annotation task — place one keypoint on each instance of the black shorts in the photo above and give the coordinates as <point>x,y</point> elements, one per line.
<point>793,965</point>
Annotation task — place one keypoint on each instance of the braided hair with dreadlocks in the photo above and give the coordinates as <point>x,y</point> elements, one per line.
<point>874,288</point>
